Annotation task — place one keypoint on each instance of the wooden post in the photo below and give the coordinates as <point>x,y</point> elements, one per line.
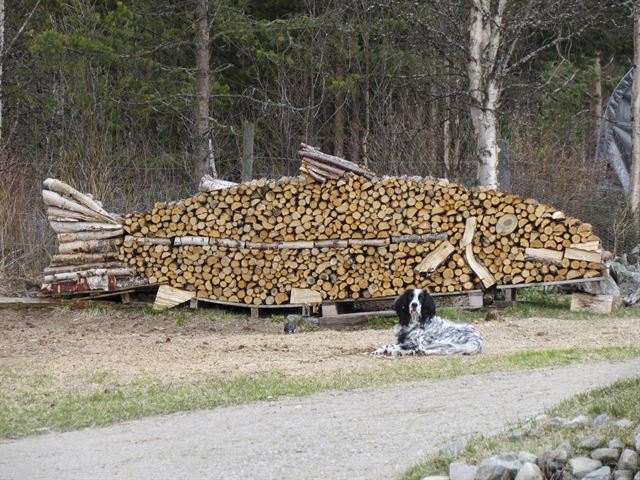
<point>504,173</point>
<point>248,134</point>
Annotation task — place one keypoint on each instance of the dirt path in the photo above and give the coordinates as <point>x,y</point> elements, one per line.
<point>366,433</point>
<point>71,346</point>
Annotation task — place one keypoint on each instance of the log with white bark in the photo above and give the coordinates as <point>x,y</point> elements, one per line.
<point>210,184</point>
<point>96,235</point>
<point>81,198</point>
<point>68,227</point>
<point>97,272</point>
<point>87,246</point>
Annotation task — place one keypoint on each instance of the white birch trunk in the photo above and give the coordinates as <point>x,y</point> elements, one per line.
<point>485,126</point>
<point>484,87</point>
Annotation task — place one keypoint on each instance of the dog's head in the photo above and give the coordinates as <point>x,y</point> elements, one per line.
<point>415,304</point>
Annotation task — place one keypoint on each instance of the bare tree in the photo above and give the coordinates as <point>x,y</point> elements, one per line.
<point>485,86</point>
<point>503,36</point>
<point>203,161</point>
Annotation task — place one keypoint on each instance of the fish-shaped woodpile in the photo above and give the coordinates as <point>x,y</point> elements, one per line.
<point>337,229</point>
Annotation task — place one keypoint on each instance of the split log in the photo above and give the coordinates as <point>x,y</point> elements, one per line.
<point>592,303</point>
<point>544,254</point>
<point>62,188</point>
<point>577,254</point>
<point>435,258</point>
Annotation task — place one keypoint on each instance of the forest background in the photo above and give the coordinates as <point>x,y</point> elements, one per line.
<point>101,94</point>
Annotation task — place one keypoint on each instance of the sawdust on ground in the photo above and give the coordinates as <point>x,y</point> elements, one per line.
<point>71,346</point>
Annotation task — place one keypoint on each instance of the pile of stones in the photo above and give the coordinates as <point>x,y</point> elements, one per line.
<point>595,457</point>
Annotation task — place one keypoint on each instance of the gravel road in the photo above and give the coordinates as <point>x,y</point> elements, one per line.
<point>358,434</point>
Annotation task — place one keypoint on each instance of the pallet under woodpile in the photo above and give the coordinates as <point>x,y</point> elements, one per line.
<point>337,232</point>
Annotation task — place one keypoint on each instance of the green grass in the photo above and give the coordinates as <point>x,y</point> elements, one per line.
<point>619,400</point>
<point>36,406</point>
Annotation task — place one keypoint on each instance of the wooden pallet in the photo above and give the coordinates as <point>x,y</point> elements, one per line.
<point>254,310</point>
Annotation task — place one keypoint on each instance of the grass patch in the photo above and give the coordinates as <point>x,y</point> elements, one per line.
<point>536,302</point>
<point>37,407</point>
<point>619,400</point>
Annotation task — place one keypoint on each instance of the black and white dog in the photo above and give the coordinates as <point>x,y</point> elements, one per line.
<point>421,331</point>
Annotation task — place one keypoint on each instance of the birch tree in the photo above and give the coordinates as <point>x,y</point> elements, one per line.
<point>504,35</point>
<point>485,85</point>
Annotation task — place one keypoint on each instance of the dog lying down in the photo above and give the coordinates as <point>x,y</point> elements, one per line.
<point>421,332</point>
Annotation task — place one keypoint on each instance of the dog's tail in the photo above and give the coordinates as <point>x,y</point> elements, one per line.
<point>87,258</point>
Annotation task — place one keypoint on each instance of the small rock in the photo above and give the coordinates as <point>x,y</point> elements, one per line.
<point>453,448</point>
<point>601,420</point>
<point>566,446</point>
<point>637,477</point>
<point>547,422</point>
<point>628,460</point>
<point>581,466</point>
<point>462,471</point>
<point>623,475</point>
<point>590,442</point>
<point>552,462</point>
<point>499,467</point>
<point>624,422</point>
<point>616,443</point>
<point>608,456</point>
<point>529,471</point>
<point>637,440</point>
<point>436,477</point>
<point>602,473</point>
<point>579,420</point>
<point>527,457</point>
<point>518,435</point>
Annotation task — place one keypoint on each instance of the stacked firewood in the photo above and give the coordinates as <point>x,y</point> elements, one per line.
<point>343,232</point>
<point>87,257</point>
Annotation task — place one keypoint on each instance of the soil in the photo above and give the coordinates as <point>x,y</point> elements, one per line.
<point>72,345</point>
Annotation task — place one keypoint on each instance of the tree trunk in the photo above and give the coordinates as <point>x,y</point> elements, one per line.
<point>634,198</point>
<point>248,134</point>
<point>202,154</point>
<point>485,87</point>
<point>338,125</point>
<point>354,128</point>
<point>597,95</point>
<point>484,123</point>
<point>2,19</point>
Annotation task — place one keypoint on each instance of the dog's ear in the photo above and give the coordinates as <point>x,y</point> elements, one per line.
<point>402,308</point>
<point>428,309</point>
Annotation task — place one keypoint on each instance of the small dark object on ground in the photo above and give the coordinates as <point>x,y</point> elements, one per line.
<point>292,323</point>
<point>493,316</point>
